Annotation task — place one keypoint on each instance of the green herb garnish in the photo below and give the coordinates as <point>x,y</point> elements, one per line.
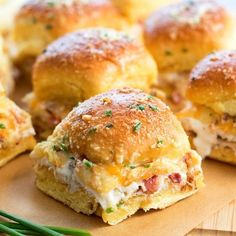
<point>108,113</point>
<point>120,204</point>
<point>51,4</point>
<point>154,108</point>
<point>87,163</point>
<point>92,130</point>
<point>109,125</point>
<point>109,210</point>
<point>168,53</point>
<point>159,143</point>
<point>147,165</point>
<point>48,27</point>
<point>2,126</point>
<point>149,97</point>
<point>137,126</point>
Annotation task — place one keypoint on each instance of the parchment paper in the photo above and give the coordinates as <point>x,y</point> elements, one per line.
<point>19,195</point>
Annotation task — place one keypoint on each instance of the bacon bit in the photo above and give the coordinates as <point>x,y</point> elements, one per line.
<point>175,178</point>
<point>176,98</point>
<point>106,100</point>
<point>151,184</point>
<point>188,160</point>
<point>86,117</point>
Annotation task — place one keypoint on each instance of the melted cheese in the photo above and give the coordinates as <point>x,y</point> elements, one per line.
<point>67,175</point>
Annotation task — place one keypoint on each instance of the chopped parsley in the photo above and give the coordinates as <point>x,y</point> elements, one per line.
<point>109,125</point>
<point>147,165</point>
<point>168,53</point>
<point>87,163</point>
<point>2,126</point>
<point>154,108</point>
<point>48,26</point>
<point>51,4</point>
<point>132,166</point>
<point>60,147</point>
<point>92,130</point>
<point>108,113</point>
<point>159,143</point>
<point>120,204</point>
<point>34,20</point>
<point>138,107</point>
<point>137,126</point>
<point>109,210</point>
<point>149,97</point>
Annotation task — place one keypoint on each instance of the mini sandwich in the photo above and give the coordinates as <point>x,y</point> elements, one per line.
<point>116,153</point>
<point>211,120</point>
<point>40,22</point>
<point>180,35</point>
<point>16,131</point>
<point>81,65</point>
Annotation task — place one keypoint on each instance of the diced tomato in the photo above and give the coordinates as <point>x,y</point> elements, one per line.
<point>175,178</point>
<point>151,184</point>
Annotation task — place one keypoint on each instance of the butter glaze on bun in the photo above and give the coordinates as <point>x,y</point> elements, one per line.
<point>90,61</point>
<point>213,82</point>
<point>137,122</point>
<point>179,35</point>
<point>118,152</point>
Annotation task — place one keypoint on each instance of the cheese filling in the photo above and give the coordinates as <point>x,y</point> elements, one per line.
<point>67,175</point>
<point>207,137</point>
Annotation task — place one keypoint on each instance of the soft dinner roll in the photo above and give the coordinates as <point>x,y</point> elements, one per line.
<point>211,121</point>
<point>138,10</point>
<point>179,35</point>
<point>16,130</point>
<point>116,153</point>
<point>39,22</point>
<point>6,77</point>
<point>83,64</point>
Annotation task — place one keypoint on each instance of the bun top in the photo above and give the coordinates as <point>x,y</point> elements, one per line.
<point>138,10</point>
<point>88,62</point>
<point>39,22</point>
<point>213,82</point>
<point>123,126</point>
<point>181,34</point>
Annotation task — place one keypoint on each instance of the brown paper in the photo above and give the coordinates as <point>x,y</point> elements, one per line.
<point>19,195</point>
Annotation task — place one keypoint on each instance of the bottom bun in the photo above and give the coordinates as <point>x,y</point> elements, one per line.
<point>82,201</point>
<point>8,154</point>
<point>224,154</point>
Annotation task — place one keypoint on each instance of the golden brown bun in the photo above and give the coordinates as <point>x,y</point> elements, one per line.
<point>38,23</point>
<point>90,61</point>
<point>224,154</point>
<point>138,10</point>
<point>16,130</point>
<point>179,35</point>
<point>213,82</point>
<point>139,129</point>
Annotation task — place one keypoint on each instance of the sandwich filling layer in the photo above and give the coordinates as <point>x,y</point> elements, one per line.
<point>174,181</point>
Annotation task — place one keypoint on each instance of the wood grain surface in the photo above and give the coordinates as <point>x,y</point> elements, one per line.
<point>222,223</point>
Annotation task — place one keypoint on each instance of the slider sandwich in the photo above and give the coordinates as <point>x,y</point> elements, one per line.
<point>181,34</point>
<point>16,131</point>
<point>116,153</point>
<point>211,119</point>
<point>81,65</point>
<point>40,22</point>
